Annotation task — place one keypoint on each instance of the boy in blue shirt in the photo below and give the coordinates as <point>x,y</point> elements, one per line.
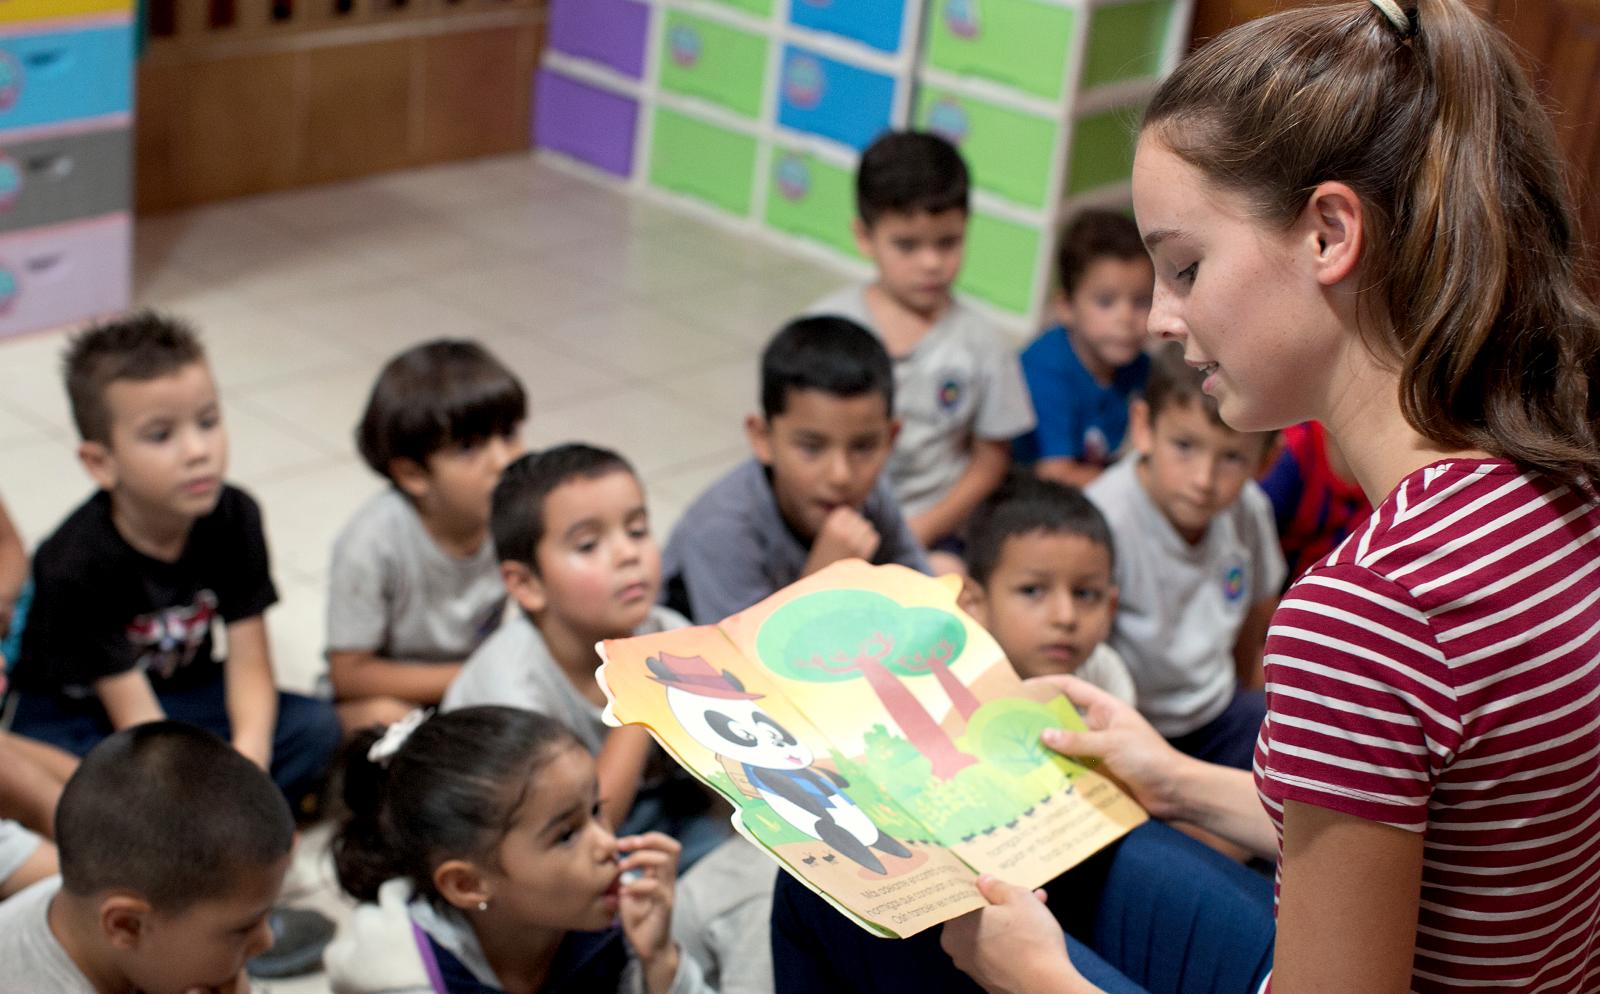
<point>1083,372</point>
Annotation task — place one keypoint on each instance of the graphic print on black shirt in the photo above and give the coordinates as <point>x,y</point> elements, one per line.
<point>102,607</point>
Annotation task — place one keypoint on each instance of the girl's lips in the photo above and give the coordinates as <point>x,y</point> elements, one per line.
<point>633,592</point>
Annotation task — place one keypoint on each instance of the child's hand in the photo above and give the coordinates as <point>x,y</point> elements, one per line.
<point>1014,946</point>
<point>649,874</point>
<point>845,534</point>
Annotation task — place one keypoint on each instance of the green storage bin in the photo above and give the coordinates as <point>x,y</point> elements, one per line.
<point>811,198</point>
<point>1022,44</point>
<point>759,8</point>
<point>1102,150</point>
<point>1001,258</point>
<point>1126,42</point>
<point>703,161</point>
<point>1010,151</point>
<point>715,62</point>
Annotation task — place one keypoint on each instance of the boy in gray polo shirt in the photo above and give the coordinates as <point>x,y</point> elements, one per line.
<point>959,392</point>
<point>812,495</point>
<point>578,559</point>
<point>1198,566</point>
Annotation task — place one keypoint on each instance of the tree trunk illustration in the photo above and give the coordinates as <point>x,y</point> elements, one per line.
<point>914,720</point>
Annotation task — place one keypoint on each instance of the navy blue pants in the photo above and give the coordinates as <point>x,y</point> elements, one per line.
<point>1155,913</point>
<point>303,742</point>
<point>1229,739</point>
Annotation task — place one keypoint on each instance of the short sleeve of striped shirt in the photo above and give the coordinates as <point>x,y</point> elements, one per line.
<point>1361,715</point>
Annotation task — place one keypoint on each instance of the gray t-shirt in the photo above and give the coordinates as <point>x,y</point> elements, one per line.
<point>16,845</point>
<point>393,591</point>
<point>732,548</point>
<point>962,381</point>
<point>31,960</point>
<point>514,668</point>
<point>1180,606</point>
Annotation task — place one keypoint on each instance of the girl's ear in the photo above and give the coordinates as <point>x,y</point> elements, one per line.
<point>462,885</point>
<point>1335,221</point>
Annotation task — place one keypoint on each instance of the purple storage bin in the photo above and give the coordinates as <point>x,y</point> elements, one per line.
<point>610,32</point>
<point>590,124</point>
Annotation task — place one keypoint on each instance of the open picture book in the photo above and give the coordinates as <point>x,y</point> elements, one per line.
<point>874,740</point>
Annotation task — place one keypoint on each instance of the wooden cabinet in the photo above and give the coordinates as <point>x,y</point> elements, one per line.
<point>243,97</point>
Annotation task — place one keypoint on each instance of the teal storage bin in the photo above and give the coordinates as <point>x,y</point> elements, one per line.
<point>47,78</point>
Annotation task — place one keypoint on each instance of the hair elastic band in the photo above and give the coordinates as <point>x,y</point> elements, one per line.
<point>1399,18</point>
<point>395,736</point>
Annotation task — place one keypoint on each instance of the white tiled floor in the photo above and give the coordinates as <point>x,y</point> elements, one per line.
<point>631,326</point>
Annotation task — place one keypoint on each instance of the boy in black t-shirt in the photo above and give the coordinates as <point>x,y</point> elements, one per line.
<point>128,589</point>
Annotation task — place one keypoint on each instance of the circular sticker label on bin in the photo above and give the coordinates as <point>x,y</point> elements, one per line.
<point>10,80</point>
<point>794,177</point>
<point>948,119</point>
<point>803,82</point>
<point>961,17</point>
<point>684,44</point>
<point>10,181</point>
<point>9,288</point>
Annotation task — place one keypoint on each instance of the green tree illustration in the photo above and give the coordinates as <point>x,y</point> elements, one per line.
<point>836,635</point>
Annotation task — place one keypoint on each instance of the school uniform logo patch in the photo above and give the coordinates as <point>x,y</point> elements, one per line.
<point>951,391</point>
<point>1233,582</point>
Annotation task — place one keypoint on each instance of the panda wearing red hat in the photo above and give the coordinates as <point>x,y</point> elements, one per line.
<point>717,712</point>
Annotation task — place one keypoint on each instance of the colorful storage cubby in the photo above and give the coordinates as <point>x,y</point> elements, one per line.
<point>719,63</point>
<point>877,24</point>
<point>812,199</point>
<point>1043,97</point>
<point>705,162</point>
<point>834,99</point>
<point>66,92</point>
<point>590,123</point>
<point>64,273</point>
<point>588,97</point>
<point>610,33</point>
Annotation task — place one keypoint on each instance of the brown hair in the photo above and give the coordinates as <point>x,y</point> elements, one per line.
<point>1471,240</point>
<point>1093,235</point>
<point>142,346</point>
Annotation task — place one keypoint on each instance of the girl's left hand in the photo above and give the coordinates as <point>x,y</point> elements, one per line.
<point>646,902</point>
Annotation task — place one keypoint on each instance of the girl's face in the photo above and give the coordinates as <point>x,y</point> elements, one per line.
<point>1241,296</point>
<point>557,866</point>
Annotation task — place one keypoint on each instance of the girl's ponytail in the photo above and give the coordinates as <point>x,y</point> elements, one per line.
<point>362,856</point>
<point>1471,250</point>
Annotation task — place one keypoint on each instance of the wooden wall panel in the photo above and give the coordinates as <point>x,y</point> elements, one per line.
<point>474,95</point>
<point>358,110</point>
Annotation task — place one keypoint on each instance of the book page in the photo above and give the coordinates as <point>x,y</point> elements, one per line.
<point>728,722</point>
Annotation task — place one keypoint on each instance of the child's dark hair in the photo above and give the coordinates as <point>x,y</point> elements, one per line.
<point>831,354</point>
<point>451,791</point>
<point>170,812</point>
<point>143,346</point>
<point>435,395</point>
<point>1470,247</point>
<point>516,516</point>
<point>910,172</point>
<point>1175,383</point>
<point>1093,235</point>
<point>1024,505</point>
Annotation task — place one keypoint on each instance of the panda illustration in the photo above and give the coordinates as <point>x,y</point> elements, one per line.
<point>716,711</point>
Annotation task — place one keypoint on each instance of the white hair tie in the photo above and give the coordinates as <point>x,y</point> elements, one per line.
<point>1398,17</point>
<point>395,736</point>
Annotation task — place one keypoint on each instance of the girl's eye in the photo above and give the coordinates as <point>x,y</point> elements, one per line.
<point>158,436</point>
<point>1187,275</point>
<point>639,531</point>
<point>587,545</point>
<point>1031,590</point>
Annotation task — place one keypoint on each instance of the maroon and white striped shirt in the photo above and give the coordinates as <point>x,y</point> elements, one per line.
<point>1440,672</point>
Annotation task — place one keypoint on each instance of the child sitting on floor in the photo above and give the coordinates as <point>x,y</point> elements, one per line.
<point>414,586</point>
<point>475,843</point>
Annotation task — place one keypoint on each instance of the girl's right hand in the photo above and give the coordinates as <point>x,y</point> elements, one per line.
<point>1119,736</point>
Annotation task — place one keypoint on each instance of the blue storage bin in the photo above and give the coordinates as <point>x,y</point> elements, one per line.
<point>63,75</point>
<point>875,23</point>
<point>822,96</point>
